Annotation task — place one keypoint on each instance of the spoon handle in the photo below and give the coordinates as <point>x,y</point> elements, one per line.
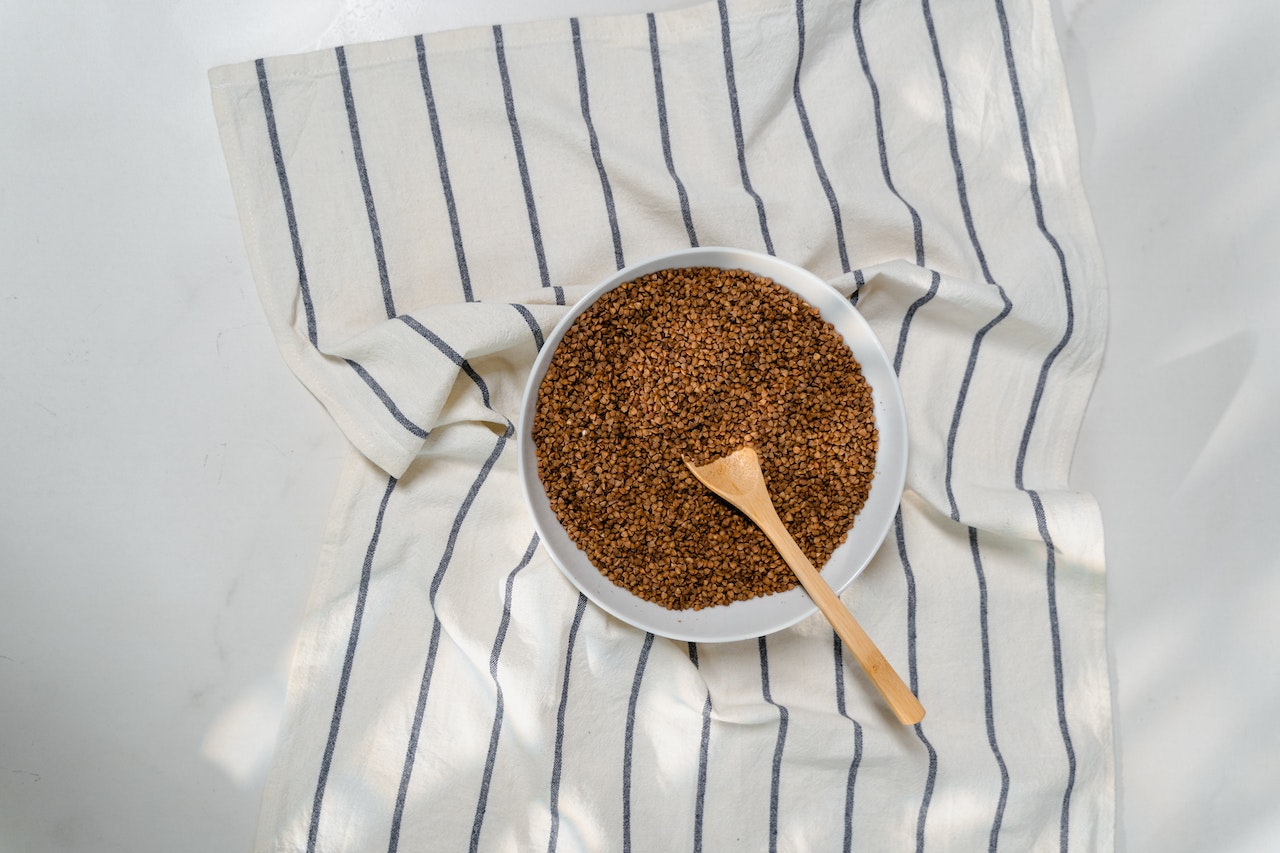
<point>906,707</point>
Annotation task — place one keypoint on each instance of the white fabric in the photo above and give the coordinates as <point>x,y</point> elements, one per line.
<point>417,212</point>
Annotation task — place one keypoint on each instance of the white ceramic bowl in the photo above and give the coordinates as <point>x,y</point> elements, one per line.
<point>758,616</point>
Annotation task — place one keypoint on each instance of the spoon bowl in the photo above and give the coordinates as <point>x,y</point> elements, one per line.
<point>738,479</point>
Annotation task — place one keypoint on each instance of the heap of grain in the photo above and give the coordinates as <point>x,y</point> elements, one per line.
<point>696,363</point>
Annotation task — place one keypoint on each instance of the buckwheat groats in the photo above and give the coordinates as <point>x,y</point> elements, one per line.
<point>698,362</point>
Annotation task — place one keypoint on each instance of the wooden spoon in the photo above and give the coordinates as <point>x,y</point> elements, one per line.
<point>737,478</point>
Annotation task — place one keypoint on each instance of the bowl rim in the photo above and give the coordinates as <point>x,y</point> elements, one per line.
<point>766,614</point>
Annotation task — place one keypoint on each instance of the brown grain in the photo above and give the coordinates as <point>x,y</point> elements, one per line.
<point>698,362</point>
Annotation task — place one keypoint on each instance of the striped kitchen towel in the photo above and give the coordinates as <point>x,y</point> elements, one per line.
<point>419,212</point>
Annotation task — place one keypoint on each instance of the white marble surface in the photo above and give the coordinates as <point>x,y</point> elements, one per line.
<point>165,479</point>
<point>1178,110</point>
